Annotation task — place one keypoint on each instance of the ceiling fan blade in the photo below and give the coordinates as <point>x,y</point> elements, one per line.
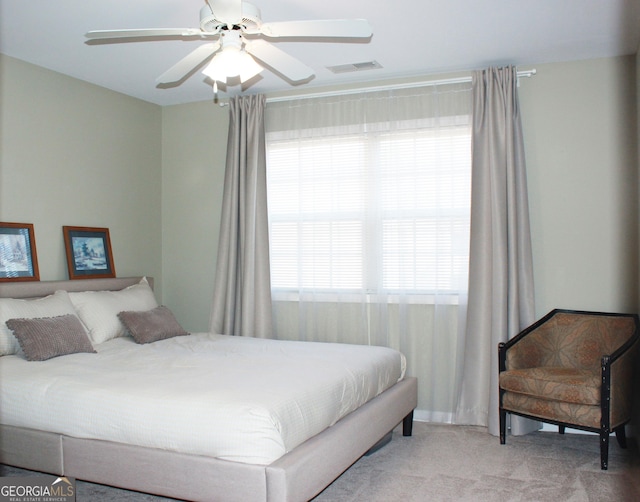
<point>279,61</point>
<point>147,32</point>
<point>187,64</point>
<point>335,28</point>
<point>227,11</point>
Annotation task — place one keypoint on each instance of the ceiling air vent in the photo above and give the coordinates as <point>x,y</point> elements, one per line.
<point>346,68</point>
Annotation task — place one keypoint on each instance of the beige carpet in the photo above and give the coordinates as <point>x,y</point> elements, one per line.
<point>455,463</point>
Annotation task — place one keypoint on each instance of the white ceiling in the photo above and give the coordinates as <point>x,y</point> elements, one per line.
<point>410,38</point>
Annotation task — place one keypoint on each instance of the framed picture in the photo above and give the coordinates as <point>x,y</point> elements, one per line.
<point>88,252</point>
<point>18,260</point>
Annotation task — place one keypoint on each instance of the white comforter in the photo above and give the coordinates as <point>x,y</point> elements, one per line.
<point>234,398</point>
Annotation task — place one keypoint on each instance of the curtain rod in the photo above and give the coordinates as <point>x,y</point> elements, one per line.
<point>408,85</point>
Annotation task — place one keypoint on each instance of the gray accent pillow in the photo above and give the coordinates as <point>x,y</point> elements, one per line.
<point>46,337</point>
<point>151,325</point>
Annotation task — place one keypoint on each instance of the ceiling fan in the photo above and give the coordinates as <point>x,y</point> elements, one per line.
<point>240,45</point>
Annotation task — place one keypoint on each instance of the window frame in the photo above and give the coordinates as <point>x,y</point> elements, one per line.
<point>373,274</point>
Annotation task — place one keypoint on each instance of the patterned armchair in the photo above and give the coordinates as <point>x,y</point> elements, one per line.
<point>572,369</point>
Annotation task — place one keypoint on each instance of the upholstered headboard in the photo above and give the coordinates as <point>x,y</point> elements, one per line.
<point>37,289</point>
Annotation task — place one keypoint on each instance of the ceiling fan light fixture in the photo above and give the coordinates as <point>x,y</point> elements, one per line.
<point>230,63</point>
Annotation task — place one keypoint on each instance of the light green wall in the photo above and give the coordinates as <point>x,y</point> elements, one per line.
<point>580,140</point>
<point>194,144</point>
<point>579,125</point>
<point>72,153</point>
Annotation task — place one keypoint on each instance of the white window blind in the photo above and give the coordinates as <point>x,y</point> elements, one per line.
<point>385,209</point>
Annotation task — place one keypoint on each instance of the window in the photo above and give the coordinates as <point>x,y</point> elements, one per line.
<point>374,211</point>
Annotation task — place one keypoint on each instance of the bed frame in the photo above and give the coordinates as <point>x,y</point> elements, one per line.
<point>297,476</point>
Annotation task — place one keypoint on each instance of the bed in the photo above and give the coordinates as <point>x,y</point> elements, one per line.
<point>133,421</point>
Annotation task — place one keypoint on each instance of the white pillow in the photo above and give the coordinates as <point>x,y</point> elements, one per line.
<point>53,305</point>
<point>98,310</point>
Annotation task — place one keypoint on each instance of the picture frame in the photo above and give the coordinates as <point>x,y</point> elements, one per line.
<point>18,258</point>
<point>88,251</point>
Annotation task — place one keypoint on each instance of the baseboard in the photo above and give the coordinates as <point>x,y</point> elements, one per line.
<point>554,428</point>
<point>437,417</point>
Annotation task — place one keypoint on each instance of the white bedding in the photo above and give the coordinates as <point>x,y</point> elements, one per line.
<point>235,398</point>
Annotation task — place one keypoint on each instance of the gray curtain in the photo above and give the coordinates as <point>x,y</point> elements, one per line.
<point>501,296</point>
<point>242,291</point>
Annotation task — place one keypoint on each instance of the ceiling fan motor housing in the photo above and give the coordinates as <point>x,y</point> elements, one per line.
<point>250,21</point>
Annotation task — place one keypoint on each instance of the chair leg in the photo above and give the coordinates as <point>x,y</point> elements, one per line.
<point>561,429</point>
<point>621,436</point>
<point>503,426</point>
<point>604,449</point>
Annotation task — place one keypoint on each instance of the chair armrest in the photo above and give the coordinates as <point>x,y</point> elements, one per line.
<point>502,357</point>
<point>629,346</point>
<point>516,347</point>
<point>617,382</point>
